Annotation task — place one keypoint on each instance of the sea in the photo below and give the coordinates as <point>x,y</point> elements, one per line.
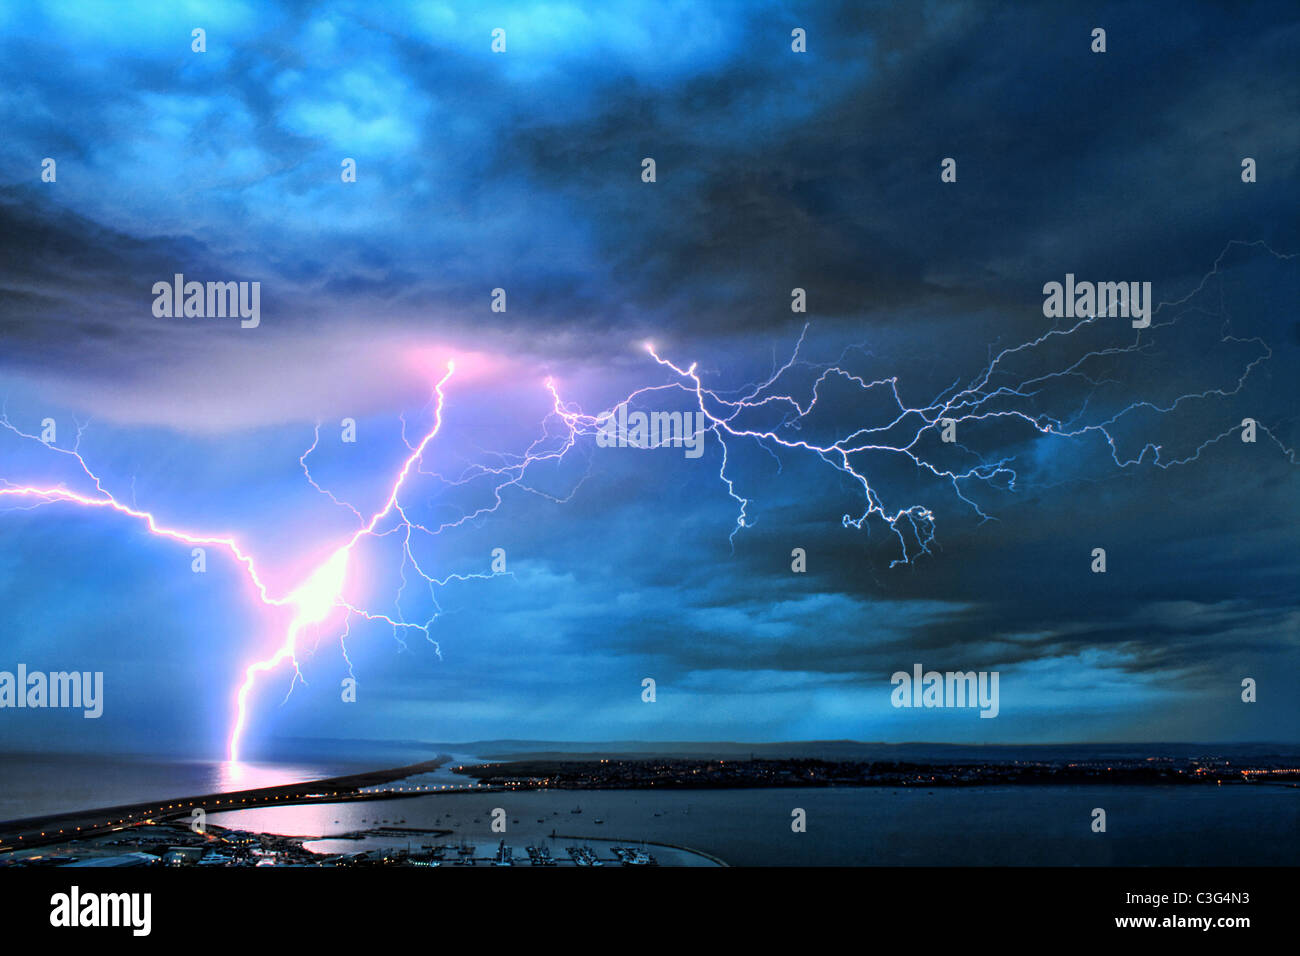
<point>1032,825</point>
<point>1230,825</point>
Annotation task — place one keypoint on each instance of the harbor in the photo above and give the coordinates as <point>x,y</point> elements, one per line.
<point>174,844</point>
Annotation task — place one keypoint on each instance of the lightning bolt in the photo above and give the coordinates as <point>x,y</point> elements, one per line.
<point>313,601</point>
<point>995,393</point>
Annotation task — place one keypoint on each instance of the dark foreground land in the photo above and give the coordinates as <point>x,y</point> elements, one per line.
<point>679,773</point>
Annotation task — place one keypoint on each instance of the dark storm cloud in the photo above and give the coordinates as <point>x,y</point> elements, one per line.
<point>775,169</point>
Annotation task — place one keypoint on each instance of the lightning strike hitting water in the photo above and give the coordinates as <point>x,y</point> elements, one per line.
<point>319,598</point>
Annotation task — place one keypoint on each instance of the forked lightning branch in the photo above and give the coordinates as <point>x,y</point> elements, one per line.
<point>320,599</point>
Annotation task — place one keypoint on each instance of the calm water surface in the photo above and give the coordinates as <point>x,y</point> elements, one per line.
<point>36,784</point>
<point>1007,826</point>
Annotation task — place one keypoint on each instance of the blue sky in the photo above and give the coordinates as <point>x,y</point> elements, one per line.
<point>775,170</point>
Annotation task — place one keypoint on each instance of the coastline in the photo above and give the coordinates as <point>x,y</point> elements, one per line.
<point>59,827</point>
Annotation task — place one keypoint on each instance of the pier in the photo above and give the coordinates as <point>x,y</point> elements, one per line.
<point>372,785</point>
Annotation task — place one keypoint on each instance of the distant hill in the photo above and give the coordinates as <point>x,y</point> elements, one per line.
<point>507,749</point>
